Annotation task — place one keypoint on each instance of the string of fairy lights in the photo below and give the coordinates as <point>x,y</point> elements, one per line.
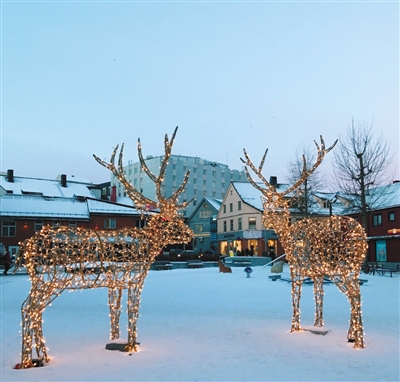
<point>333,247</point>
<point>66,258</point>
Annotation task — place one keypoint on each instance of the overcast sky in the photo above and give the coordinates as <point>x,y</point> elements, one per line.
<point>80,77</point>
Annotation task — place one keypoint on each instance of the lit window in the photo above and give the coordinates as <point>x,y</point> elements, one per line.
<point>198,228</point>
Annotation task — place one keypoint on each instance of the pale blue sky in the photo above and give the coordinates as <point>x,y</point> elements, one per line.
<point>79,77</point>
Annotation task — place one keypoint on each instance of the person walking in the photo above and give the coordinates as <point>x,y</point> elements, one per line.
<point>7,262</point>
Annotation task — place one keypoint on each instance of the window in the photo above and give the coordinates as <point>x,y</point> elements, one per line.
<point>205,214</point>
<point>110,223</point>
<point>224,226</point>
<point>194,170</point>
<point>231,225</point>
<point>72,224</point>
<point>214,174</point>
<point>37,226</point>
<point>392,216</point>
<point>204,182</point>
<point>239,205</point>
<point>377,220</point>
<point>194,180</point>
<point>8,228</point>
<point>204,172</point>
<point>230,207</point>
<point>239,224</point>
<point>198,228</point>
<point>224,209</point>
<point>252,223</point>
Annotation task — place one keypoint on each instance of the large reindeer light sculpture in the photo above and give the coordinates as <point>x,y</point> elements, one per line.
<point>61,258</point>
<point>315,247</point>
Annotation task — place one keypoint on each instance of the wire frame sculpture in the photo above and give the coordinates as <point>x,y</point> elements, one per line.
<point>333,247</point>
<point>61,258</point>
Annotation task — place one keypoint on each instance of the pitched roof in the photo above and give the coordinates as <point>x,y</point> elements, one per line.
<point>215,203</point>
<point>251,195</point>
<point>45,187</point>
<point>30,206</point>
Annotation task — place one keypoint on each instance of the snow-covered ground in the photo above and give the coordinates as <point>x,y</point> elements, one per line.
<point>200,325</point>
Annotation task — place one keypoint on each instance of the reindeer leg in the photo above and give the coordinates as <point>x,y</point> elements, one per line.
<point>134,291</point>
<point>319,300</point>
<point>32,331</point>
<point>351,288</point>
<point>297,282</point>
<point>114,302</point>
<point>27,334</point>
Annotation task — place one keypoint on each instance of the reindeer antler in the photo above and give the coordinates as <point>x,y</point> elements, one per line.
<point>257,171</point>
<point>168,143</point>
<point>137,197</point>
<point>305,173</point>
<point>134,194</point>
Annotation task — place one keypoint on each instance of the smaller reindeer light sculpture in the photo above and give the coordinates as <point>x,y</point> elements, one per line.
<point>316,247</point>
<point>61,258</point>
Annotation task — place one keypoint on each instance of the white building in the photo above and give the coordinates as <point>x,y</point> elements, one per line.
<point>207,179</point>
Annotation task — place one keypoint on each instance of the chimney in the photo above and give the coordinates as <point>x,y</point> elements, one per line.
<point>10,176</point>
<point>113,196</point>
<point>63,180</point>
<point>273,181</point>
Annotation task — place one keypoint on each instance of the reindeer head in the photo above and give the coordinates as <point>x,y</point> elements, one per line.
<point>168,225</point>
<point>275,205</point>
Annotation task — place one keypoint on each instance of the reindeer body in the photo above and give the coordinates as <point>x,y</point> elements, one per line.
<point>332,247</point>
<point>61,258</point>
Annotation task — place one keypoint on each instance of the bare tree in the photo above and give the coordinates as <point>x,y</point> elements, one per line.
<point>360,164</point>
<point>316,181</point>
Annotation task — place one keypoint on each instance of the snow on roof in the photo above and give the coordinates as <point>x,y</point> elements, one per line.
<point>38,206</point>
<point>45,187</point>
<point>216,203</point>
<point>103,207</point>
<point>378,198</point>
<point>125,200</point>
<point>251,195</point>
<point>390,195</point>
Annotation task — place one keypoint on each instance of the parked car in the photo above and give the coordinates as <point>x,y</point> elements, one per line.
<point>183,255</point>
<point>189,254</point>
<point>175,254</point>
<point>210,255</point>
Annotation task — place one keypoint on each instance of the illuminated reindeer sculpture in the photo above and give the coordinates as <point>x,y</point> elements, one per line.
<point>316,247</point>
<point>61,258</point>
